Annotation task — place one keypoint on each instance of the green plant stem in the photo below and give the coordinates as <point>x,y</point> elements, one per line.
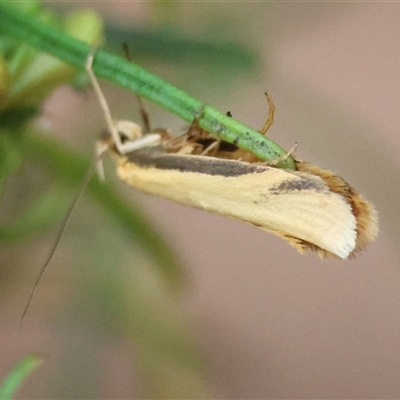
<point>131,76</point>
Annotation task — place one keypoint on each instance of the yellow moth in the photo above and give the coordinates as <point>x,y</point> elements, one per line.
<point>311,208</point>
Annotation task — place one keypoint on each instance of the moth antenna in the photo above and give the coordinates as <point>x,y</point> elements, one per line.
<point>144,115</point>
<point>111,126</point>
<point>127,51</point>
<point>61,231</point>
<point>143,112</point>
<point>271,112</point>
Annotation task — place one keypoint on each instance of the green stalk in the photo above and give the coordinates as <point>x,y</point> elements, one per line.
<point>131,76</point>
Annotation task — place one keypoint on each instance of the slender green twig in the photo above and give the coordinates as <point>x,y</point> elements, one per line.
<point>131,76</point>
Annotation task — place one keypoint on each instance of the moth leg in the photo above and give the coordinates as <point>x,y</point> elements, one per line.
<point>194,131</point>
<point>212,148</point>
<point>182,139</point>
<point>272,163</point>
<point>102,145</point>
<point>271,112</point>
<point>151,139</point>
<point>190,136</point>
<point>187,142</point>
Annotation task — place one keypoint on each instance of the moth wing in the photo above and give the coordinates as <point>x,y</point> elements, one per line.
<point>298,207</point>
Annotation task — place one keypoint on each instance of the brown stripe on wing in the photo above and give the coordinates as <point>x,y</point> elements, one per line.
<point>155,156</point>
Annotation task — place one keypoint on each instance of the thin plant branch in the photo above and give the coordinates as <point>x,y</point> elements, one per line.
<point>119,71</point>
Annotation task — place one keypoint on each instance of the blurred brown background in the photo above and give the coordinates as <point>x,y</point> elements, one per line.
<point>268,322</point>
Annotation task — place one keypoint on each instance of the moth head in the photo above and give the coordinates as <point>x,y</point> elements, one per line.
<point>128,130</point>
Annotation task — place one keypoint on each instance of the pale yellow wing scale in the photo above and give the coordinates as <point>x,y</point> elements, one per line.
<point>303,207</point>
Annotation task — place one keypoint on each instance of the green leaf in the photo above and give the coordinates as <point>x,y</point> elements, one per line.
<point>17,375</point>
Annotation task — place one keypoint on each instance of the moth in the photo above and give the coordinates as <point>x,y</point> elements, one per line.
<point>311,208</point>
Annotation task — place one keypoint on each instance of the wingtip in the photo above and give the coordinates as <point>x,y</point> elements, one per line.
<point>366,217</point>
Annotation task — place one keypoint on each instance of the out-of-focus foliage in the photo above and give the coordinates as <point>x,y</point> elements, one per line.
<point>171,45</point>
<point>16,376</point>
<point>148,314</point>
<point>29,76</point>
